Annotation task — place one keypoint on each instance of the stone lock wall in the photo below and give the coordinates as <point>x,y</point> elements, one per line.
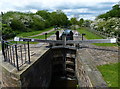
<point>36,74</point>
<point>9,79</point>
<point>87,73</point>
<point>39,74</point>
<point>83,79</point>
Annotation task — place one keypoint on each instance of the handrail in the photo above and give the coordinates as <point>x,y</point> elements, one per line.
<point>16,54</point>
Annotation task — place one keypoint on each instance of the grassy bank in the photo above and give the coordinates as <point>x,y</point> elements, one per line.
<point>110,74</point>
<point>26,34</point>
<point>43,36</point>
<point>36,37</point>
<point>0,46</point>
<point>90,35</point>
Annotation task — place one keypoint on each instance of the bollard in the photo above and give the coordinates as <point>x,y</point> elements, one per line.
<point>83,35</point>
<point>71,35</point>
<point>64,39</point>
<point>28,52</point>
<point>46,36</point>
<point>57,35</point>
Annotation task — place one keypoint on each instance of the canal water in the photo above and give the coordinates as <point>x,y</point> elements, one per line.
<point>63,83</point>
<point>63,72</point>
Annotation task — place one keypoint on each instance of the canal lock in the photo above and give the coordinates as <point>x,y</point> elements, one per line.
<point>63,71</point>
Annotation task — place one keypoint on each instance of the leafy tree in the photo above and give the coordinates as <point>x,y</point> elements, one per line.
<point>59,18</point>
<point>44,14</point>
<point>80,22</point>
<point>115,12</point>
<point>37,24</point>
<point>16,24</point>
<point>105,16</point>
<point>74,21</point>
<point>7,32</point>
<point>87,23</point>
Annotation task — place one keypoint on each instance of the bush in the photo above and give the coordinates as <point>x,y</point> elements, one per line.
<point>17,25</point>
<point>18,22</point>
<point>7,32</point>
<point>110,26</point>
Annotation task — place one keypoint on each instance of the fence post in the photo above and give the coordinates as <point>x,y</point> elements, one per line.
<point>3,50</point>
<point>83,35</point>
<point>25,52</point>
<point>16,58</point>
<point>28,52</point>
<point>13,55</point>
<point>45,36</point>
<point>21,54</point>
<point>71,35</point>
<point>57,35</point>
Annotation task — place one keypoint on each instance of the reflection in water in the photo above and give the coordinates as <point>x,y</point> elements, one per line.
<point>63,83</point>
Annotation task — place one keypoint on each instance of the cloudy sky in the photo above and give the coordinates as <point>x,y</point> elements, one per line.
<point>87,9</point>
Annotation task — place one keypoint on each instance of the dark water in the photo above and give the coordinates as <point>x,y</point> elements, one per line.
<point>61,83</point>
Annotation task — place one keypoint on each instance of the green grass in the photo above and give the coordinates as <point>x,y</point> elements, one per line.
<point>0,46</point>
<point>36,37</point>
<point>43,36</point>
<point>90,35</point>
<point>110,74</point>
<point>26,34</point>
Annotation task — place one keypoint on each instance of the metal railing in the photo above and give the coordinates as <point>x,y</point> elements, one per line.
<point>16,54</point>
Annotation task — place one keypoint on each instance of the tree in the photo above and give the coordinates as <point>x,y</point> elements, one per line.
<point>80,22</point>
<point>37,24</point>
<point>16,24</point>
<point>87,23</point>
<point>115,12</point>
<point>7,32</point>
<point>59,18</point>
<point>44,14</point>
<point>74,21</point>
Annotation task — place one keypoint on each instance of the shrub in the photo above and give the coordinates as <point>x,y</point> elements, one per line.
<point>7,32</point>
<point>16,24</point>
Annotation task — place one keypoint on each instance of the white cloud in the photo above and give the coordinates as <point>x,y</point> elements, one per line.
<point>86,17</point>
<point>75,10</point>
<point>70,7</point>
